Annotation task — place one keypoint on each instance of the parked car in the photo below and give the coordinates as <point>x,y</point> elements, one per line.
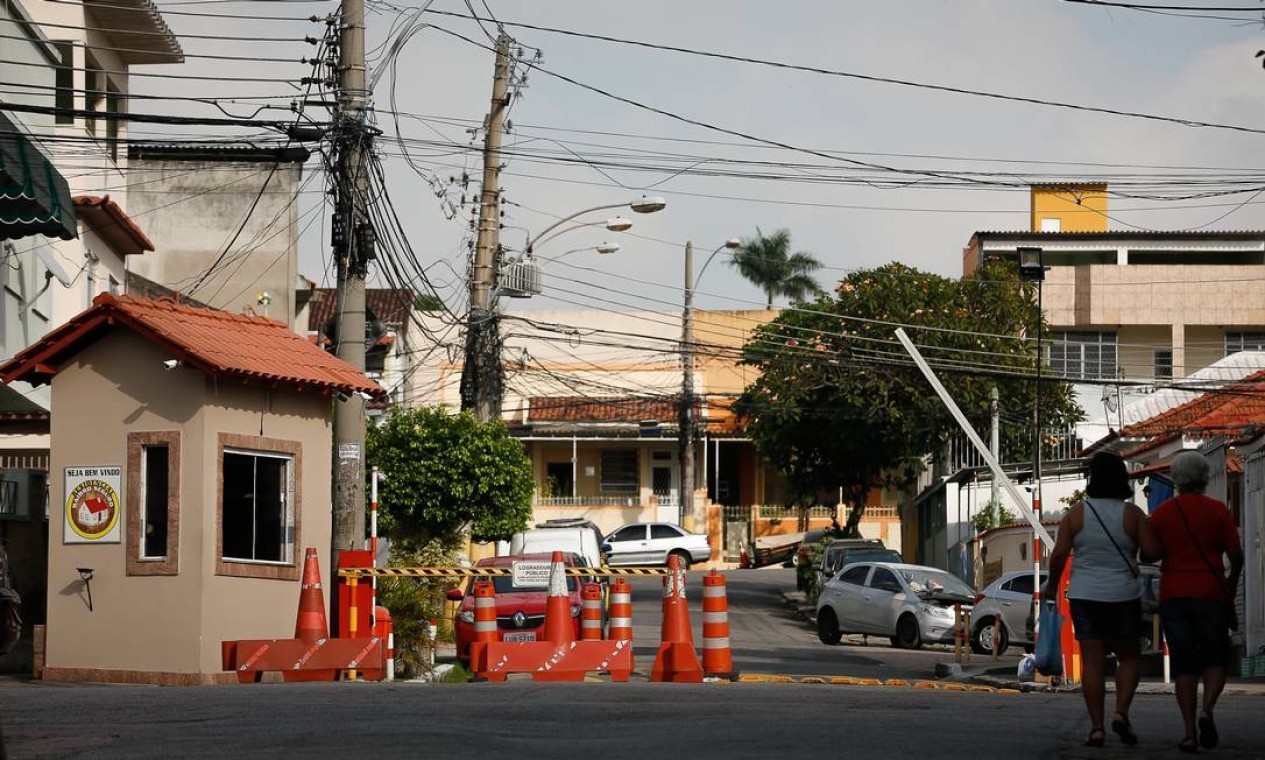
<point>579,540</point>
<point>652,543</point>
<point>575,522</point>
<point>520,599</point>
<point>804,550</point>
<point>1010,598</point>
<point>910,604</point>
<point>845,551</point>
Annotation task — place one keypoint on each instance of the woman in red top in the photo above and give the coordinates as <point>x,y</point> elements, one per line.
<point>1196,596</point>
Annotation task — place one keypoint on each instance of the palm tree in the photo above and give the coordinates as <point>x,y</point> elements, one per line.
<point>766,262</point>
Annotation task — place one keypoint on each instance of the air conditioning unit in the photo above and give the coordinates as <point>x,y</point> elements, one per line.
<point>23,495</point>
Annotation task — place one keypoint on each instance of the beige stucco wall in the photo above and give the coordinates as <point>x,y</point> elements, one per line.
<point>1153,295</point>
<point>169,624</point>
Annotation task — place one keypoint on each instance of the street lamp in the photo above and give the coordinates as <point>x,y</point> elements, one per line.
<point>685,426</point>
<point>641,205</point>
<point>1032,269</point>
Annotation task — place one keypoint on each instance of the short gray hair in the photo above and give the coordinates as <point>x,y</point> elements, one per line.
<point>1190,471</point>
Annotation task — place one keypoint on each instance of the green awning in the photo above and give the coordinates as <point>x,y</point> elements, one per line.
<point>34,197</point>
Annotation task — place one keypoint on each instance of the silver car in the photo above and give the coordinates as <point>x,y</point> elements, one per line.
<point>910,604</point>
<point>653,543</point>
<point>1009,598</point>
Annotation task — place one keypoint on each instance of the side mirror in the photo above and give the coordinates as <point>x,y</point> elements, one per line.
<point>455,594</point>
<point>605,548</point>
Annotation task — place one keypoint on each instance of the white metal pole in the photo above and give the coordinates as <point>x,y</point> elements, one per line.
<point>976,441</point>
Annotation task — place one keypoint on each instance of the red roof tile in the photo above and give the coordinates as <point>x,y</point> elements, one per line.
<point>587,409</point>
<point>1227,411</point>
<point>250,348</point>
<point>112,224</point>
<point>389,305</point>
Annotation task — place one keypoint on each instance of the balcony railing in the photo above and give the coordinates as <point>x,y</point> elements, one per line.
<point>631,500</point>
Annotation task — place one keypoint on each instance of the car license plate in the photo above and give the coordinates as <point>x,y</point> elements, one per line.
<point>518,636</point>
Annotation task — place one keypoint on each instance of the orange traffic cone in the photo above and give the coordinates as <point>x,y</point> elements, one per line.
<point>311,624</point>
<point>676,660</point>
<point>559,627</point>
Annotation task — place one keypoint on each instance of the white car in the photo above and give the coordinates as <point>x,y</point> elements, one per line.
<point>911,604</point>
<point>652,543</point>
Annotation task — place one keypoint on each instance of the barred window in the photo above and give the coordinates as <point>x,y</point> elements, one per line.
<point>1163,363</point>
<point>1084,355</point>
<point>619,470</point>
<point>1244,341</point>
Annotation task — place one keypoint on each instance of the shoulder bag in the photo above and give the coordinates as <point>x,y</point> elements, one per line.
<point>1231,614</point>
<point>1144,588</point>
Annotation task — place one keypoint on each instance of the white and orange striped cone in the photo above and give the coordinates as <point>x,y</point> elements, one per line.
<point>484,626</point>
<point>676,660</point>
<point>559,627</point>
<point>311,624</point>
<point>384,629</point>
<point>718,660</point>
<point>619,628</point>
<point>591,613</point>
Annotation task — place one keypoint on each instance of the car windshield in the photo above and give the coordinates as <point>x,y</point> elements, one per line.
<point>936,584</point>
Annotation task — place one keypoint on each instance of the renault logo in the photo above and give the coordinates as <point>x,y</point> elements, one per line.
<point>519,619</point>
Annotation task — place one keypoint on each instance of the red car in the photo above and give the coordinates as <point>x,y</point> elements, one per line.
<point>520,599</point>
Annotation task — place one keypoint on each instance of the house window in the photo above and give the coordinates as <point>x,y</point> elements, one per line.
<point>619,471</point>
<point>1244,341</point>
<point>65,82</point>
<point>1084,355</point>
<point>153,503</point>
<point>257,520</point>
<point>1163,363</point>
<point>259,504</point>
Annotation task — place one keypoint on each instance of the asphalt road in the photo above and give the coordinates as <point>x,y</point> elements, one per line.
<point>610,721</point>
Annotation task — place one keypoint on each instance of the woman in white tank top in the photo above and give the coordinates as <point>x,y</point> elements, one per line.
<point>1103,534</point>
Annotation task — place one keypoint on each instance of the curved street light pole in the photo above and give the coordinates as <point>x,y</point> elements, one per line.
<point>641,206</point>
<point>685,412</point>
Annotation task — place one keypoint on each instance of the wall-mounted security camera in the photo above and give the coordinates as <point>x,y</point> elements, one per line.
<point>171,364</point>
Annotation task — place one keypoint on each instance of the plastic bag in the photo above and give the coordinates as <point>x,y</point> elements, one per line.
<point>1049,649</point>
<point>1027,668</point>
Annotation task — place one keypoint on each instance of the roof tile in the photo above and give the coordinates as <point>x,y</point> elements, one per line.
<point>219,343</point>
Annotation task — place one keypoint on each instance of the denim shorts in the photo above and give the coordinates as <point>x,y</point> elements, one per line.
<point>1198,635</point>
<point>1106,621</point>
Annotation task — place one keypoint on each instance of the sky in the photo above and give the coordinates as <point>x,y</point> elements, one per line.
<point>861,172</point>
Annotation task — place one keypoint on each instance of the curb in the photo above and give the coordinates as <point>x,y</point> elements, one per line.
<point>899,683</point>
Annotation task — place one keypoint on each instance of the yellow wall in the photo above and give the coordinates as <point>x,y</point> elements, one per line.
<point>1078,208</point>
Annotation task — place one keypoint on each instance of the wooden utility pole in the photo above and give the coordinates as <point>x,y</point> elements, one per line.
<point>353,240</point>
<point>481,375</point>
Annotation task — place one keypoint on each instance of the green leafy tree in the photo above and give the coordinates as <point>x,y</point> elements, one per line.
<point>840,405</point>
<point>766,261</point>
<point>445,471</point>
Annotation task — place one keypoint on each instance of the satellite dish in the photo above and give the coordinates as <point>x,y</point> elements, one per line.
<point>1109,400</point>
<point>53,267</point>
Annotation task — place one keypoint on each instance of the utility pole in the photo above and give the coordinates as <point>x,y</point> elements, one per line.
<point>353,240</point>
<point>481,375</point>
<point>685,425</point>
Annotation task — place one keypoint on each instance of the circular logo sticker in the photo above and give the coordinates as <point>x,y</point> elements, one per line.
<point>92,509</point>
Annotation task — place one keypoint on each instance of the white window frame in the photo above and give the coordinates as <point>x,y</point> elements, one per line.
<point>1063,363</point>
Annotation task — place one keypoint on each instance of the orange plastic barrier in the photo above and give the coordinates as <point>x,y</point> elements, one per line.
<point>311,655</point>
<point>384,629</point>
<point>718,658</point>
<point>676,661</point>
<point>558,657</point>
<point>591,613</point>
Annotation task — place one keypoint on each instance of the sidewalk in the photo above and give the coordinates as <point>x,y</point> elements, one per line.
<point>1006,677</point>
<point>982,671</point>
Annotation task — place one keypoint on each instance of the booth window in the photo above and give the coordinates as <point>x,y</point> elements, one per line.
<point>153,503</point>
<point>258,507</point>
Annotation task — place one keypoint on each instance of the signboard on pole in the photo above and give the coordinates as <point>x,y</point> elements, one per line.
<point>93,505</point>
